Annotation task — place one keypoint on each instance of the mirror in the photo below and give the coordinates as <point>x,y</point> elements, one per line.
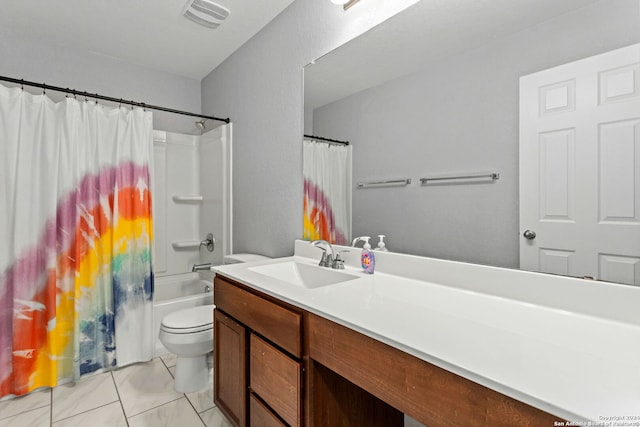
<point>434,91</point>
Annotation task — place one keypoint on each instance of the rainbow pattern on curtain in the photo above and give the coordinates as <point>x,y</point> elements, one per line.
<point>326,171</point>
<point>318,217</point>
<point>62,299</point>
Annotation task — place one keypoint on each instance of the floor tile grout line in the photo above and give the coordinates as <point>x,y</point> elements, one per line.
<point>119,400</point>
<point>156,407</point>
<point>115,384</point>
<point>83,412</point>
<point>183,395</point>
<point>17,414</point>
<point>16,398</point>
<point>75,383</point>
<point>195,410</point>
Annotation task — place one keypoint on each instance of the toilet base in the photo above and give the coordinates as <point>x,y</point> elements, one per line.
<point>192,374</point>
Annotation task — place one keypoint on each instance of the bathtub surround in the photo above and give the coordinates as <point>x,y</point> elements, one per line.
<point>76,288</point>
<point>192,188</point>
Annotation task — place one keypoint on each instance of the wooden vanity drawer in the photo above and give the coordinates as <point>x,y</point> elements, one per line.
<point>273,321</point>
<point>261,416</point>
<point>276,378</point>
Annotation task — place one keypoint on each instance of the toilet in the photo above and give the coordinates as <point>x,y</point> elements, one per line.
<point>188,334</point>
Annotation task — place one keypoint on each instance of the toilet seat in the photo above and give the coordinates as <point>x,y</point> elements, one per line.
<point>189,321</point>
<point>186,330</point>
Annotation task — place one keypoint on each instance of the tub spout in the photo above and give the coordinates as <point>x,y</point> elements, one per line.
<point>199,267</point>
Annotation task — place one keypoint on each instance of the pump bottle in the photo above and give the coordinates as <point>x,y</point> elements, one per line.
<point>382,247</point>
<point>367,258</point>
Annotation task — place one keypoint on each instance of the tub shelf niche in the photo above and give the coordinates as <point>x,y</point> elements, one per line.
<point>186,245</point>
<point>188,198</point>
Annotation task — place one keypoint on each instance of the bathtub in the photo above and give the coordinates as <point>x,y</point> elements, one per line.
<point>176,292</point>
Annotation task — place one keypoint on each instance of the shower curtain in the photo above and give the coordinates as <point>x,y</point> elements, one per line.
<point>327,192</point>
<point>76,282</point>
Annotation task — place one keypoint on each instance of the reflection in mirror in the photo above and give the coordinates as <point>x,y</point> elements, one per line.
<point>439,89</point>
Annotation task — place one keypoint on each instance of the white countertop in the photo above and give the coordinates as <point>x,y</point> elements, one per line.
<point>567,346</point>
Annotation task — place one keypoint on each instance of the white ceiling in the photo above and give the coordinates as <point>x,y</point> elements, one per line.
<point>420,36</point>
<point>150,33</point>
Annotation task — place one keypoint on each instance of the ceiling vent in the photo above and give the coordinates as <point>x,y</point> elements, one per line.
<point>205,12</point>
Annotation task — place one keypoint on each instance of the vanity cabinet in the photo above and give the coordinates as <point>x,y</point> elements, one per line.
<point>258,342</point>
<point>277,365</point>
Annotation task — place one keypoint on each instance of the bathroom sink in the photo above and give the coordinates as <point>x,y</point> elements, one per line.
<point>305,275</point>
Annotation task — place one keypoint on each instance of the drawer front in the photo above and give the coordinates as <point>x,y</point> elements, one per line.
<point>261,416</point>
<point>276,378</point>
<point>273,321</point>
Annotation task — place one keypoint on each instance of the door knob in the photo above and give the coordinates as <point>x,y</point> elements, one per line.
<point>529,235</point>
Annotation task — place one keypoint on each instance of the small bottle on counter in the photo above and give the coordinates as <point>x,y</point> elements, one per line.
<point>382,247</point>
<point>367,258</point>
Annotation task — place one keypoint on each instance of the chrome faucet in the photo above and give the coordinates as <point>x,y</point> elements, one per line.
<point>199,267</point>
<point>327,259</point>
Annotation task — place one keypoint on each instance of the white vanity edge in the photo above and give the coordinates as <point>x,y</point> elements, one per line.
<point>613,308</point>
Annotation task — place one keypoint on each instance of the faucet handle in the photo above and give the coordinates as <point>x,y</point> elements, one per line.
<point>338,263</point>
<point>328,260</point>
<point>209,242</point>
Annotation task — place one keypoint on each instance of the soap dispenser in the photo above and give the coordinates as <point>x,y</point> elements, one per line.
<point>367,259</point>
<point>382,247</point>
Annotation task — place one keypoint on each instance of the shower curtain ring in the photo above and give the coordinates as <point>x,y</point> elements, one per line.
<point>22,84</point>
<point>44,88</point>
<point>66,95</point>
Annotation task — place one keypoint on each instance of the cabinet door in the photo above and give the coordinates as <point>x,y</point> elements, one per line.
<point>230,386</point>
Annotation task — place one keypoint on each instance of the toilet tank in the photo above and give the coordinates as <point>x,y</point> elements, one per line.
<point>238,258</point>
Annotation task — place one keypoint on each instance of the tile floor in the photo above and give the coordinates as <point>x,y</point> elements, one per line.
<point>136,396</point>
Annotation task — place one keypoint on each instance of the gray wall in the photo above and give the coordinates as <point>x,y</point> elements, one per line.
<point>460,115</point>
<point>32,59</point>
<point>260,88</point>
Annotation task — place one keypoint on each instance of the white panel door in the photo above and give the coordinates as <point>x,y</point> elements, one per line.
<point>580,168</point>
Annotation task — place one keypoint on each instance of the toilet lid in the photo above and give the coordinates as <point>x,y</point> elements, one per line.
<point>197,318</point>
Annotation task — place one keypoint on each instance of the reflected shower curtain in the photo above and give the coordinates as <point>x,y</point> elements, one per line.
<point>327,192</point>
<point>76,282</point>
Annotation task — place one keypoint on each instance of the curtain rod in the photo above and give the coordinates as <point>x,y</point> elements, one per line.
<point>96,96</point>
<point>320,138</point>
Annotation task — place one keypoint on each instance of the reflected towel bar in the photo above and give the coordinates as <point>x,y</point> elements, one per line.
<point>403,181</point>
<point>493,175</point>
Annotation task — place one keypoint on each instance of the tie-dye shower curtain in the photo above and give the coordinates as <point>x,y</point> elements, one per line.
<point>76,282</point>
<point>326,169</point>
